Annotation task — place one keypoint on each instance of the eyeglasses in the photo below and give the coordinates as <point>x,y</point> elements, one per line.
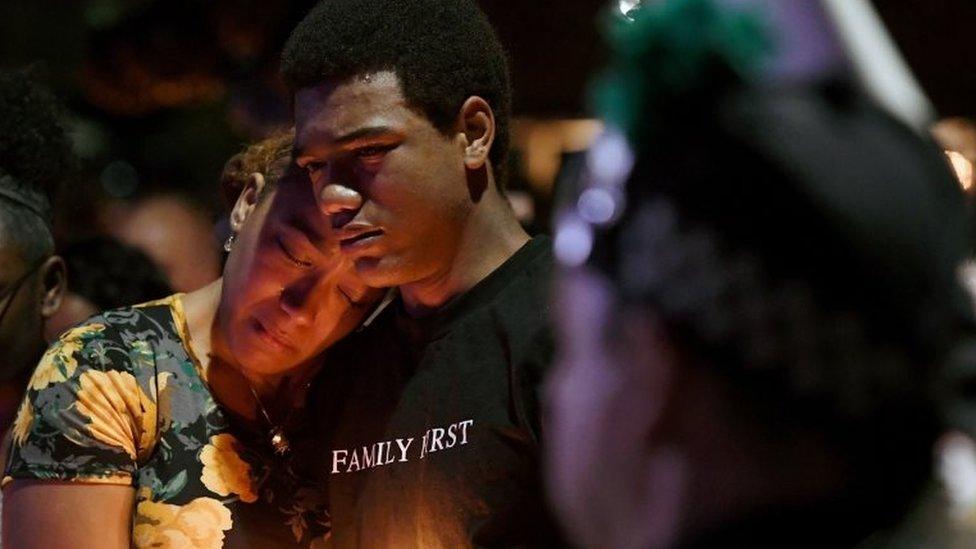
<point>10,292</point>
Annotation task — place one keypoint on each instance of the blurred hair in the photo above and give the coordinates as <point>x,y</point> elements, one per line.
<point>269,157</point>
<point>111,274</point>
<point>442,51</point>
<point>34,145</point>
<point>755,285</point>
<point>36,160</point>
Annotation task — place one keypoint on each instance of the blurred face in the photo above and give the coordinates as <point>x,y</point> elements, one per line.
<point>161,226</point>
<point>614,484</point>
<point>287,292</point>
<point>21,336</point>
<point>391,185</point>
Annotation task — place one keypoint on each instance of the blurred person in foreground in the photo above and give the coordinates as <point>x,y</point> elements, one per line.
<point>180,422</point>
<point>164,226</point>
<point>760,326</point>
<point>430,416</point>
<point>36,159</point>
<point>104,274</point>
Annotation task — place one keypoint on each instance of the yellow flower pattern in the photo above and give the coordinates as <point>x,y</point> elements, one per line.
<point>121,400</point>
<point>199,524</point>
<point>59,362</point>
<point>224,472</point>
<point>120,414</point>
<point>22,425</point>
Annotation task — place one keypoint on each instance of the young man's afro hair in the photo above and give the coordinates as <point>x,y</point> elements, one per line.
<point>443,52</point>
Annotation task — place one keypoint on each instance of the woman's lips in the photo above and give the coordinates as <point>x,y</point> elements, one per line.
<point>272,338</point>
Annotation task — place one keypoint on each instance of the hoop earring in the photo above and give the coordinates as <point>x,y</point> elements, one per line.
<point>229,243</point>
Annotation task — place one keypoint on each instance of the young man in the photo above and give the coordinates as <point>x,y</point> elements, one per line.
<point>430,413</point>
<point>35,159</point>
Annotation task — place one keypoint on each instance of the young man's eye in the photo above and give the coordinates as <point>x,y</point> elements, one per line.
<point>373,152</point>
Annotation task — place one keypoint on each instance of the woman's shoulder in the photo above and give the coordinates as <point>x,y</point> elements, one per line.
<point>111,340</point>
<point>151,320</point>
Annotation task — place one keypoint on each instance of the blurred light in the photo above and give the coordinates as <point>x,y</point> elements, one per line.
<point>543,144</point>
<point>87,138</point>
<point>573,242</point>
<point>119,179</point>
<point>597,206</point>
<point>627,6</point>
<point>963,169</point>
<point>610,159</point>
<point>957,469</point>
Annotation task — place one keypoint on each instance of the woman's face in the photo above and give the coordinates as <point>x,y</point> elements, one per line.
<point>287,291</point>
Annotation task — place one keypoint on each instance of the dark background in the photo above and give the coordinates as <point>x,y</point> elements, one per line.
<point>162,92</point>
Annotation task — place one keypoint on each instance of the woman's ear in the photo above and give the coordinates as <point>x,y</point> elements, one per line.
<point>476,129</point>
<point>247,201</point>
<point>54,280</point>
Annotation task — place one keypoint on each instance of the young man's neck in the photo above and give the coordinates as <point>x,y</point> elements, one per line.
<point>490,237</point>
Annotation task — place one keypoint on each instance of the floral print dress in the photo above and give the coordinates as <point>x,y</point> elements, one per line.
<point>120,399</point>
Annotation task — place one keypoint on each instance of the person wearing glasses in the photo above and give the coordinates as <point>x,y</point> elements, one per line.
<point>33,164</point>
<point>180,422</point>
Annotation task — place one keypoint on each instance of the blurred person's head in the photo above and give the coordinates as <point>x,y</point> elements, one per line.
<point>287,291</point>
<point>401,111</point>
<point>756,299</point>
<point>177,234</point>
<point>104,274</point>
<point>35,160</point>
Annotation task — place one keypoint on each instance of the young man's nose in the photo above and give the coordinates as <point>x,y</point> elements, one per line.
<point>339,202</point>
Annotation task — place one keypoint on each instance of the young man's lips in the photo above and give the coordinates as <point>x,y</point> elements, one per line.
<point>360,240</point>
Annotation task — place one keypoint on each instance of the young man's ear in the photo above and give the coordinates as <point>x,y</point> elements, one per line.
<point>476,128</point>
<point>247,201</point>
<point>54,281</point>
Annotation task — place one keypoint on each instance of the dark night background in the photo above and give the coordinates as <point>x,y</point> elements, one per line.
<point>162,92</point>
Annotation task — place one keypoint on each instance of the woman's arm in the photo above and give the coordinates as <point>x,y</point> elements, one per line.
<point>51,515</point>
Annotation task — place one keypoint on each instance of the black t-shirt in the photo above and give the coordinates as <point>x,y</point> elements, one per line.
<point>432,425</point>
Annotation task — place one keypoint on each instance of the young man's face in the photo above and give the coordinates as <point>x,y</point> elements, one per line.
<point>393,186</point>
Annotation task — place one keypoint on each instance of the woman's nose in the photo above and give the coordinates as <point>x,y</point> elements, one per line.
<point>296,302</point>
<point>339,202</point>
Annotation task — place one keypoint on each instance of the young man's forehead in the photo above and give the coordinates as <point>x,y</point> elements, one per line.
<point>333,110</point>
<point>375,90</point>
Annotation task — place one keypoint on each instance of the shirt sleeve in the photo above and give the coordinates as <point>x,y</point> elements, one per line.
<point>89,413</point>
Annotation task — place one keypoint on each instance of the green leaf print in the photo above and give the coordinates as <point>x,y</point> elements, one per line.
<point>173,487</point>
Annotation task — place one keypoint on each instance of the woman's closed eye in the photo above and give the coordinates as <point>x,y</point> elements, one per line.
<point>315,166</point>
<point>291,256</point>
